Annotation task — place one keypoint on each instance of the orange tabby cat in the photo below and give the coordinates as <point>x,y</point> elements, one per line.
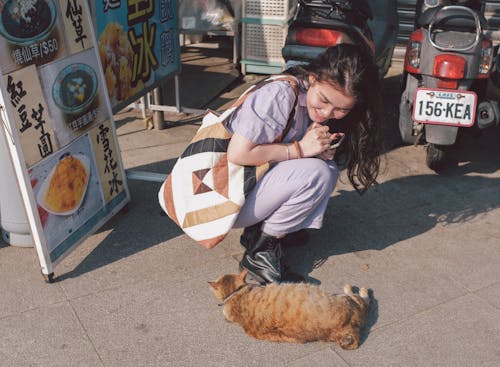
<point>292,312</point>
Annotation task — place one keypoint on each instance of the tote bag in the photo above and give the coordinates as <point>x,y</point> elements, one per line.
<point>205,192</point>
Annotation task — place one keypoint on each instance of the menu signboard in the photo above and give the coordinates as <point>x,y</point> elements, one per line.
<point>58,122</point>
<point>138,42</point>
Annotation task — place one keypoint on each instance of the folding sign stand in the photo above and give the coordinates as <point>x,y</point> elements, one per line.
<point>59,127</point>
<point>59,85</point>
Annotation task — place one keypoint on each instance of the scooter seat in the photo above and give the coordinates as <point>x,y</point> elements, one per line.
<point>451,19</point>
<point>364,7</point>
<point>361,6</point>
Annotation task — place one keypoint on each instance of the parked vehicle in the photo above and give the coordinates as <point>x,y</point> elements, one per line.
<point>447,64</point>
<point>318,24</point>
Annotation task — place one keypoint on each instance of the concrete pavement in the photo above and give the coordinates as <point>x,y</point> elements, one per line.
<point>136,294</point>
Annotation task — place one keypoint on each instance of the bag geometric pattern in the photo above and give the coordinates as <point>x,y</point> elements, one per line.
<point>205,192</point>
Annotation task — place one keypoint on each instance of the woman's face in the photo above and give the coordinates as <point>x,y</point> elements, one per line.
<point>325,102</point>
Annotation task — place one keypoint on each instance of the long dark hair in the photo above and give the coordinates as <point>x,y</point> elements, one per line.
<point>352,69</point>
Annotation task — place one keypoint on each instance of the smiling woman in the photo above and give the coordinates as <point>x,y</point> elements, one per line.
<point>335,89</point>
<point>327,101</point>
<point>268,163</point>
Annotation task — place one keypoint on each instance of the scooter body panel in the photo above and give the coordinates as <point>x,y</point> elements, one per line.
<point>429,53</point>
<point>441,135</point>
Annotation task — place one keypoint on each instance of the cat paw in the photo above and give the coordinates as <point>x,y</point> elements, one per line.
<point>348,290</point>
<point>363,292</point>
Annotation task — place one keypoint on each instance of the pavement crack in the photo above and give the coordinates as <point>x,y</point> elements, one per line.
<point>86,333</point>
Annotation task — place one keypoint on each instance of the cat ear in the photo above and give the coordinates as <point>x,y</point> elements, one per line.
<point>243,274</point>
<point>214,285</point>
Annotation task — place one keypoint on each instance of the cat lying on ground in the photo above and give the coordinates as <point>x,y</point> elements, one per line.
<point>292,312</point>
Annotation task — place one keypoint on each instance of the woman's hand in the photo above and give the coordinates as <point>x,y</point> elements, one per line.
<point>336,139</point>
<point>327,155</point>
<point>316,141</point>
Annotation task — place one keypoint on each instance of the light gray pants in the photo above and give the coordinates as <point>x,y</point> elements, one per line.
<point>291,196</point>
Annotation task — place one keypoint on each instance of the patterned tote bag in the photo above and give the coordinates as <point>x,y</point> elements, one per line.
<point>204,192</point>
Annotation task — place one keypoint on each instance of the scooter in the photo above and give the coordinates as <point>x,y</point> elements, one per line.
<point>318,24</point>
<point>447,64</point>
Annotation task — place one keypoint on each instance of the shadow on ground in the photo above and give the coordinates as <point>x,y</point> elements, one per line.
<point>209,72</point>
<point>139,226</point>
<point>406,207</point>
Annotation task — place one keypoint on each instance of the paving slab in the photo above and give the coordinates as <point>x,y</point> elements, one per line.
<point>204,70</point>
<point>124,258</point>
<point>21,288</point>
<point>172,322</point>
<point>48,335</point>
<point>324,358</point>
<point>461,332</point>
<point>491,294</point>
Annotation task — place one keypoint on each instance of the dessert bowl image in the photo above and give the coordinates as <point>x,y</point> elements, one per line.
<point>75,88</point>
<point>23,22</point>
<point>63,190</point>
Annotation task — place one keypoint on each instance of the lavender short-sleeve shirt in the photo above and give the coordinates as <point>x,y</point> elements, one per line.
<point>264,114</point>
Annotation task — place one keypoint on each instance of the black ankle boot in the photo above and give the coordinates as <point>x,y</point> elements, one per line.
<point>295,239</point>
<point>250,236</point>
<point>262,258</point>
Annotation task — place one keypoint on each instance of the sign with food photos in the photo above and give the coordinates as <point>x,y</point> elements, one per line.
<point>58,122</point>
<point>138,42</point>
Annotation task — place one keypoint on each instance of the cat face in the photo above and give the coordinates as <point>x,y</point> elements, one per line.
<point>228,283</point>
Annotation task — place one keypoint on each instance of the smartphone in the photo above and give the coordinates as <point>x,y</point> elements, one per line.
<point>337,141</point>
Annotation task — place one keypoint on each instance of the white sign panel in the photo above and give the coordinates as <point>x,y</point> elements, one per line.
<point>58,123</point>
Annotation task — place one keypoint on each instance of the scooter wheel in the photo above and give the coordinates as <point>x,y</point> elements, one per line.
<point>436,157</point>
<point>405,109</point>
<point>406,123</point>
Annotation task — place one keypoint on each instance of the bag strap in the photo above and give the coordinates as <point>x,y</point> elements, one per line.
<point>288,78</point>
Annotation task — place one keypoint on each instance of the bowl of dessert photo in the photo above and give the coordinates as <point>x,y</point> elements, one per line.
<point>64,189</point>
<point>24,22</point>
<point>75,88</point>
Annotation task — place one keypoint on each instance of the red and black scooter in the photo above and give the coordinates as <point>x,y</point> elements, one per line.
<point>318,24</point>
<point>447,63</point>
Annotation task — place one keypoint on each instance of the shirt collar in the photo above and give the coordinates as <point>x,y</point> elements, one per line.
<point>303,98</point>
<point>303,87</point>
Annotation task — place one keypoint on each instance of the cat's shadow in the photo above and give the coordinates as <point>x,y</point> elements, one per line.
<point>371,318</point>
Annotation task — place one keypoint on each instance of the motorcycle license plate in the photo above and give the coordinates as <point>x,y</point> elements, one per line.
<point>445,107</point>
